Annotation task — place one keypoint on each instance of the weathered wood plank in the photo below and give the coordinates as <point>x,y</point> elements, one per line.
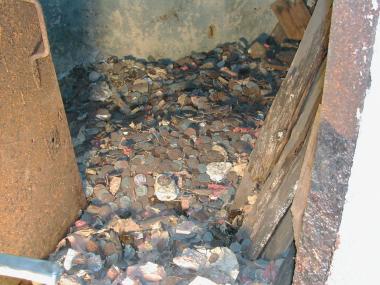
<point>293,17</point>
<point>281,9</point>
<point>278,33</point>
<point>281,239</point>
<point>287,104</point>
<point>301,16</point>
<point>278,190</point>
<point>300,198</point>
<point>263,221</point>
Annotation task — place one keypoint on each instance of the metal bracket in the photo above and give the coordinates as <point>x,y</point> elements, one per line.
<point>45,42</point>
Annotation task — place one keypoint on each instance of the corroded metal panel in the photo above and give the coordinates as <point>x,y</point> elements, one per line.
<point>40,186</point>
<point>347,78</point>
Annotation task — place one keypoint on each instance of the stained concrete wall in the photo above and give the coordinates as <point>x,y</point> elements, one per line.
<point>83,30</point>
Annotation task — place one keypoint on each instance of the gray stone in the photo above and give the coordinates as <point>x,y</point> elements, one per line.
<point>94,76</point>
<point>141,190</point>
<point>208,237</point>
<point>100,91</point>
<point>235,247</point>
<point>203,178</point>
<point>127,183</point>
<point>202,168</point>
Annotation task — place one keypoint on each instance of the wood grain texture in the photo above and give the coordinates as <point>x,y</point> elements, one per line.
<point>288,103</point>
<point>293,17</point>
<point>300,198</point>
<point>278,190</point>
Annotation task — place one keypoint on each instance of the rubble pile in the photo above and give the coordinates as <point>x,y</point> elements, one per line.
<point>162,146</point>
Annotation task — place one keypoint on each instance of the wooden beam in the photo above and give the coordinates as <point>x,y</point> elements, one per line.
<point>288,102</point>
<point>293,17</point>
<point>278,190</point>
<point>304,183</point>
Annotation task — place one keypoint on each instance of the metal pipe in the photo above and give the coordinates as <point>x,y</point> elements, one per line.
<point>36,270</point>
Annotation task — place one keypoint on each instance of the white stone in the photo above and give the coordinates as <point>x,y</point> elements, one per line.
<point>218,170</point>
<point>226,263</point>
<point>199,280</point>
<point>70,256</point>
<point>165,188</point>
<point>190,259</point>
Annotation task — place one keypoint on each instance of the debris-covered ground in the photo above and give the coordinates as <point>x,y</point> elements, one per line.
<point>162,146</point>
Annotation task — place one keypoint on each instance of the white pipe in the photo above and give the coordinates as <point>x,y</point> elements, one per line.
<point>36,270</point>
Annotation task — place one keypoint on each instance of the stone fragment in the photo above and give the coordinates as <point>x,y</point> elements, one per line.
<point>94,76</point>
<point>70,280</point>
<point>141,85</point>
<point>187,228</point>
<point>127,183</point>
<point>113,272</point>
<point>141,190</point>
<point>202,168</point>
<point>115,185</point>
<point>203,178</point>
<point>239,168</point>
<point>190,132</point>
<point>165,188</point>
<point>129,252</point>
<point>178,86</point>
<point>174,154</point>
<point>190,259</point>
<point>101,193</point>
<point>208,237</point>
<point>235,247</point>
<point>149,272</point>
<point>102,211</point>
<point>100,91</point>
<point>139,179</point>
<point>124,202</point>
<point>123,226</point>
<point>185,203</point>
<point>183,100</point>
<point>220,150</point>
<point>207,65</point>
<point>242,147</point>
<point>87,261</point>
<point>221,262</point>
<point>200,102</point>
<point>257,50</point>
<point>199,280</point>
<point>218,170</point>
<point>92,246</point>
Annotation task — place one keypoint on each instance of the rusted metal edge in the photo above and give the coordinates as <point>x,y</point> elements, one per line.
<point>347,78</point>
<point>45,42</point>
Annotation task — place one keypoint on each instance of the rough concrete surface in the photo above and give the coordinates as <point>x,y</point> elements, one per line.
<point>81,30</point>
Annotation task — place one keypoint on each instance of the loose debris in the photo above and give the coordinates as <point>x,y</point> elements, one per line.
<point>162,146</point>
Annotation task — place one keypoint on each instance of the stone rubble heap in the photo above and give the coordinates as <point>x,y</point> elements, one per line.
<point>162,146</point>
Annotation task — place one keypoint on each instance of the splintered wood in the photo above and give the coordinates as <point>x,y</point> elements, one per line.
<point>279,157</point>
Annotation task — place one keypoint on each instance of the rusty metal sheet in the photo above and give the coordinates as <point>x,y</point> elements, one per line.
<point>347,78</point>
<point>40,186</point>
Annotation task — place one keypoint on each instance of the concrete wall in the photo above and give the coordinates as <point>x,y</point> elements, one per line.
<point>81,30</point>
